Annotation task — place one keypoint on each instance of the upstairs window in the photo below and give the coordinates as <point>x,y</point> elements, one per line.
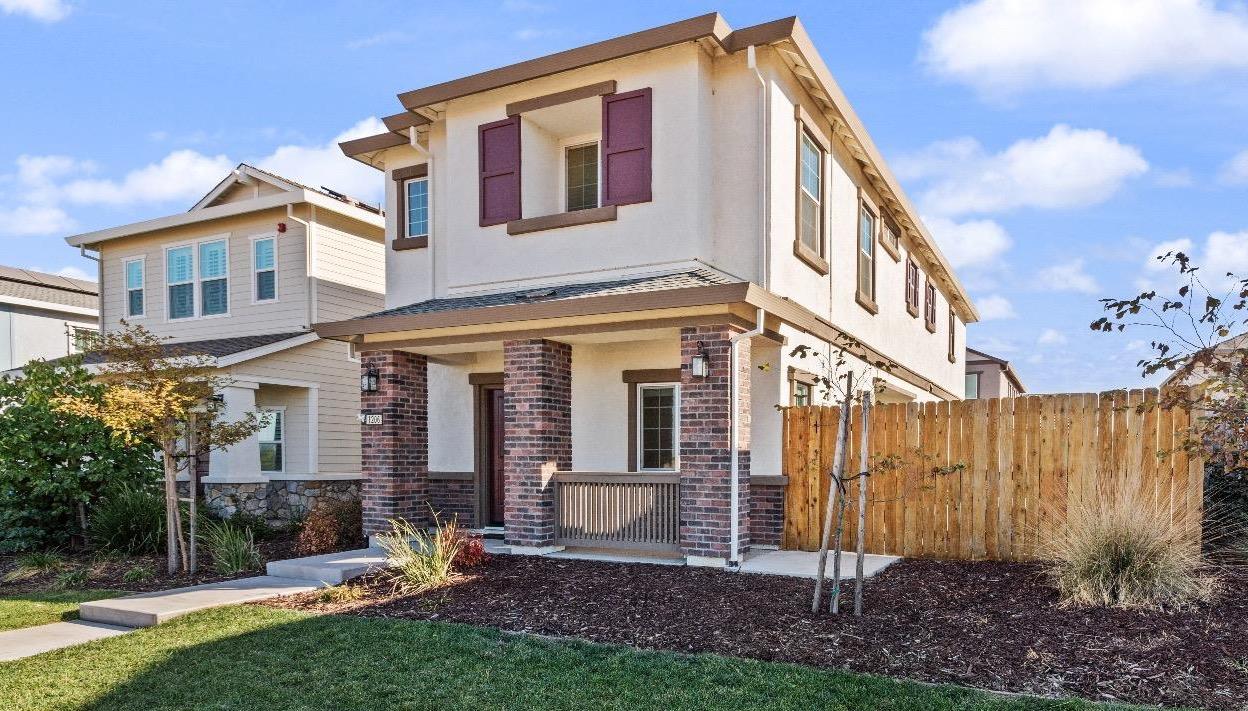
<point>416,194</point>
<point>953,336</point>
<point>580,170</point>
<point>134,288</point>
<point>912,287</point>
<point>866,256</point>
<point>264,258</point>
<point>890,237</point>
<point>214,278</point>
<point>929,311</point>
<point>810,195</point>
<point>180,280</point>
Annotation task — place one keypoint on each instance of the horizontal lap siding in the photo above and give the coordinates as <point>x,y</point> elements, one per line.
<point>349,267</point>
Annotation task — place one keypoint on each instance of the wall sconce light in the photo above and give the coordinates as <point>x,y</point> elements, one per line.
<point>370,380</point>
<point>700,364</point>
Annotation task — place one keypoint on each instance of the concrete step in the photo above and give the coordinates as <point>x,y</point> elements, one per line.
<point>29,641</point>
<point>153,608</point>
<point>330,568</point>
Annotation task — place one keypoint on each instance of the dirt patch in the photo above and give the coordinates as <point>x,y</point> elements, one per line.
<point>990,625</point>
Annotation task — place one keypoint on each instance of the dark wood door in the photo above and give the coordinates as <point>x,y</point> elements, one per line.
<point>495,455</point>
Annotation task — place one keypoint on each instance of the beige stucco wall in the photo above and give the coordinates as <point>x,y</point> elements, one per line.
<point>27,333</point>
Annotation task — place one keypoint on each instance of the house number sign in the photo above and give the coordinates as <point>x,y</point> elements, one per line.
<point>372,419</point>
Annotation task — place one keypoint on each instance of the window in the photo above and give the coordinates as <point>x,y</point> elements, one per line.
<point>912,287</point>
<point>134,287</point>
<point>972,386</point>
<point>214,297</point>
<point>81,339</point>
<point>270,436</point>
<point>810,195</point>
<point>801,394</point>
<point>580,165</point>
<point>264,259</point>
<point>180,278</point>
<point>953,336</point>
<point>416,200</point>
<point>929,315</point>
<point>658,410</point>
<point>866,256</point>
<point>890,237</point>
<point>801,387</point>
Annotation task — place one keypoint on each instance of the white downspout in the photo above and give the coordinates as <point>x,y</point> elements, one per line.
<point>734,559</point>
<point>428,154</point>
<point>764,171</point>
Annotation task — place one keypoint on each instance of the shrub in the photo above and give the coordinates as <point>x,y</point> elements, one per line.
<point>421,560</point>
<point>130,519</point>
<point>471,551</point>
<point>71,579</point>
<point>32,564</point>
<point>340,593</point>
<point>138,574</point>
<point>233,549</point>
<point>259,527</point>
<point>1121,550</point>
<point>330,524</point>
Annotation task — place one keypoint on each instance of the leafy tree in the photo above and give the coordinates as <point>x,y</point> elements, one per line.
<point>156,392</point>
<point>55,465</point>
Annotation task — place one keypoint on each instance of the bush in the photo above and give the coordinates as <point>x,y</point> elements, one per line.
<point>340,593</point>
<point>471,550</point>
<point>233,548</point>
<point>71,579</point>
<point>130,519</point>
<point>138,574</point>
<point>1121,550</point>
<point>331,524</point>
<point>259,527</point>
<point>32,564</point>
<point>420,560</point>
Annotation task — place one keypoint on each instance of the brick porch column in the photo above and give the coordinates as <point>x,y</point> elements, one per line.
<point>705,446</point>
<point>395,453</point>
<point>537,437</point>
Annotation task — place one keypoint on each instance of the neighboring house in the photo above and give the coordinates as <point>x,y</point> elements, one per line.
<point>988,376</point>
<point>43,315</point>
<point>241,278</point>
<point>1235,347</point>
<point>579,249</point>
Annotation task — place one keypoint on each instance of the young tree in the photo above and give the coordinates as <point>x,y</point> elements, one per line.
<point>155,392</point>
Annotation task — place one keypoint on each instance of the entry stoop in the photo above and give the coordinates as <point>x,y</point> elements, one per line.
<point>330,568</point>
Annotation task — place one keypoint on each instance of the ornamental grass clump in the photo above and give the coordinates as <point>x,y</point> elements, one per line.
<point>1123,550</point>
<point>421,560</point>
<point>233,548</point>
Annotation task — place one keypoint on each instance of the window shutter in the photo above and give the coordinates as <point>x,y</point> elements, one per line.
<point>498,148</point>
<point>626,139</point>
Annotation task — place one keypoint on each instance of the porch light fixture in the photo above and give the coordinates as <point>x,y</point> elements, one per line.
<point>700,364</point>
<point>369,380</point>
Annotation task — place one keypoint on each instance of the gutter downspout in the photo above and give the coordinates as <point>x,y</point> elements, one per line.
<point>428,155</point>
<point>307,258</point>
<point>764,170</point>
<point>734,558</point>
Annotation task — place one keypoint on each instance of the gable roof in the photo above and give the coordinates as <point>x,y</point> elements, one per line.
<point>29,287</point>
<point>245,174</point>
<point>1000,362</point>
<point>223,348</point>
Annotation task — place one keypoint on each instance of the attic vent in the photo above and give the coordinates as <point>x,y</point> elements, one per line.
<point>534,295</point>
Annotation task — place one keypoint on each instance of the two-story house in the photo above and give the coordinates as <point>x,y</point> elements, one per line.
<point>42,315</point>
<point>599,263</point>
<point>240,278</point>
<point>988,376</point>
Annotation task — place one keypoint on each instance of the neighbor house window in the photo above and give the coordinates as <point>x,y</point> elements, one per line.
<point>580,165</point>
<point>81,339</point>
<point>180,279</point>
<point>801,387</point>
<point>134,287</point>
<point>912,287</point>
<point>972,386</point>
<point>271,436</point>
<point>214,287</point>
<point>810,194</point>
<point>890,237</point>
<point>866,255</point>
<point>929,304</point>
<point>264,259</point>
<point>656,419</point>
<point>416,201</point>
<point>801,394</point>
<point>953,336</point>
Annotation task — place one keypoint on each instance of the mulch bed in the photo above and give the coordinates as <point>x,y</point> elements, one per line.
<point>990,625</point>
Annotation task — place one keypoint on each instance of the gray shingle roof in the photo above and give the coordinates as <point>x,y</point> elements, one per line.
<point>631,285</point>
<point>49,288</point>
<point>216,347</point>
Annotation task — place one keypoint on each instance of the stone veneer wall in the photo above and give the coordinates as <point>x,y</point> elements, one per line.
<point>276,501</point>
<point>766,514</point>
<point>454,499</point>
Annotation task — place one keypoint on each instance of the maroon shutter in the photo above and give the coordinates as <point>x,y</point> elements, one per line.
<point>498,149</point>
<point>626,139</point>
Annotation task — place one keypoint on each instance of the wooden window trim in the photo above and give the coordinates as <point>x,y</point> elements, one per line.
<point>912,267</point>
<point>953,336</point>
<point>561,219</point>
<point>798,376</point>
<point>929,305</point>
<point>633,378</point>
<point>890,223</point>
<point>866,301</point>
<point>400,176</point>
<point>601,88</point>
<point>807,126</point>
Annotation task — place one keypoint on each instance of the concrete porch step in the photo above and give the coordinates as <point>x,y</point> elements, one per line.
<point>330,568</point>
<point>153,608</point>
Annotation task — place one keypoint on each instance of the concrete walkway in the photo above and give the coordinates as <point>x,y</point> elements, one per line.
<point>804,564</point>
<point>153,608</point>
<point>29,641</point>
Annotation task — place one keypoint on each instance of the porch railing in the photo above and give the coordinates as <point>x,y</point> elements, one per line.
<point>618,510</point>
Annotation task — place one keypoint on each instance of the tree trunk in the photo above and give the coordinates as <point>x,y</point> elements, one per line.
<point>192,448</point>
<point>838,466</point>
<point>863,476</point>
<point>171,506</point>
<point>834,605</point>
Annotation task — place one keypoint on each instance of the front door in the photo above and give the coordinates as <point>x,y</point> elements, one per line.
<point>494,454</point>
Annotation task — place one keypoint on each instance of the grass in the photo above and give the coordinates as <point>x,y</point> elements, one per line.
<point>252,657</point>
<point>40,608</point>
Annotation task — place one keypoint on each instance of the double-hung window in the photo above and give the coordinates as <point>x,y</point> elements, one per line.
<point>866,256</point>
<point>658,415</point>
<point>134,288</point>
<point>180,280</point>
<point>271,436</point>
<point>810,195</point>
<point>580,170</point>
<point>416,201</point>
<point>264,258</point>
<point>214,288</point>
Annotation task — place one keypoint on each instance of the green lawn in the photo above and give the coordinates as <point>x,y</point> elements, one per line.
<point>40,608</point>
<point>260,658</point>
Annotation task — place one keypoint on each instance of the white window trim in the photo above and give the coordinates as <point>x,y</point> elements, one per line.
<point>255,272</point>
<point>577,142</point>
<point>125,286</point>
<point>407,208</point>
<point>282,410</point>
<point>821,157</point>
<point>640,438</point>
<point>196,307</point>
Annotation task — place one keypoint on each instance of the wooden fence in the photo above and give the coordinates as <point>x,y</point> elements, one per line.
<point>987,479</point>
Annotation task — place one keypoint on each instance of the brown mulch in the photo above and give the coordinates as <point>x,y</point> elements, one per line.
<point>990,625</point>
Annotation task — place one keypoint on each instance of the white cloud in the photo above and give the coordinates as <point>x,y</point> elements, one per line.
<point>1066,168</point>
<point>381,38</point>
<point>181,175</point>
<point>1067,276</point>
<point>1003,46</point>
<point>994,307</point>
<point>993,345</point>
<point>326,165</point>
<point>30,220</point>
<point>974,243</point>
<point>1051,337</point>
<point>1225,252</point>
<point>41,10</point>
<point>1235,172</point>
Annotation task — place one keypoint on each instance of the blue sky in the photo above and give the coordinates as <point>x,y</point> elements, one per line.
<point>1052,147</point>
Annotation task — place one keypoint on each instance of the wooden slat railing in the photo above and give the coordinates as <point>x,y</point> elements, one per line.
<point>618,510</point>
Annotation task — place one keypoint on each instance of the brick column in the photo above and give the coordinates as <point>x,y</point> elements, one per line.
<point>705,446</point>
<point>395,453</point>
<point>537,436</point>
